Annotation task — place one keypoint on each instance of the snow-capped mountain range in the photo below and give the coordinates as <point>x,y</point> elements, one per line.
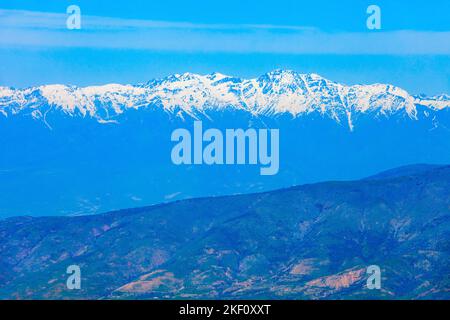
<point>277,92</point>
<point>59,152</point>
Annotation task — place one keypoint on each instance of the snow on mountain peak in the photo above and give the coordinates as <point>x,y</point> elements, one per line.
<point>276,92</point>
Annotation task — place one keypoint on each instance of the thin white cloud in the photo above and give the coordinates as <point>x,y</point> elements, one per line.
<point>42,29</point>
<point>55,21</point>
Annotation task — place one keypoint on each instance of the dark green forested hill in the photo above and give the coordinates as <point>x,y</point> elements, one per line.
<point>307,242</point>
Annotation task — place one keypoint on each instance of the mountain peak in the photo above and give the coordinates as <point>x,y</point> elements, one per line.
<point>282,73</point>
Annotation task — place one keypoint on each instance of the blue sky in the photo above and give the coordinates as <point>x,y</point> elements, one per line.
<point>134,41</point>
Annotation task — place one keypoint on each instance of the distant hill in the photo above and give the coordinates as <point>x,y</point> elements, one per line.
<point>306,242</point>
<point>404,171</point>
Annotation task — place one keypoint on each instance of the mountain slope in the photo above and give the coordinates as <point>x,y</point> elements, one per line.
<point>306,242</point>
<point>404,171</point>
<point>277,92</point>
